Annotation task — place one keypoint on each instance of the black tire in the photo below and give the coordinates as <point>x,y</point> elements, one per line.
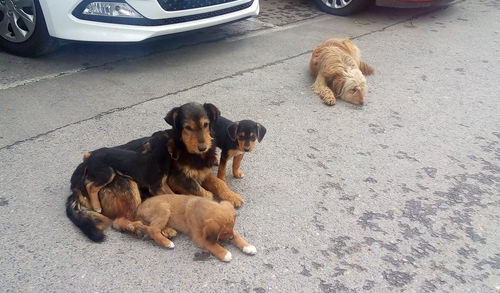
<point>352,7</point>
<point>39,43</point>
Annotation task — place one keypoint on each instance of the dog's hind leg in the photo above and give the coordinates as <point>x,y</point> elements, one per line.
<point>236,166</point>
<point>320,86</point>
<point>157,215</point>
<point>243,245</point>
<point>93,186</point>
<point>123,224</point>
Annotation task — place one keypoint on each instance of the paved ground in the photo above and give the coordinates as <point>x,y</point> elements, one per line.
<point>399,195</point>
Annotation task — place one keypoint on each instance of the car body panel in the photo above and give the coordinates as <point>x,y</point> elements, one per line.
<point>411,3</point>
<point>61,23</point>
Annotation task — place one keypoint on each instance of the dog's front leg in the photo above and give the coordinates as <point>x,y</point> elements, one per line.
<point>218,251</point>
<point>243,245</point>
<point>236,166</point>
<point>220,188</point>
<point>184,185</point>
<point>221,172</point>
<point>161,187</point>
<point>320,86</point>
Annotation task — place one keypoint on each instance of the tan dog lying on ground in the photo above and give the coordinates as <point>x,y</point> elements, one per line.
<point>205,220</point>
<point>336,65</point>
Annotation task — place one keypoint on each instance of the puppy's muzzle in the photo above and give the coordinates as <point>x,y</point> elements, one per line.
<point>202,148</point>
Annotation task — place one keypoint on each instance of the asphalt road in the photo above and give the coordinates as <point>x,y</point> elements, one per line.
<point>400,195</point>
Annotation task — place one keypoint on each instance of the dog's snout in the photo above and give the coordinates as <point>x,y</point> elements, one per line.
<point>247,148</point>
<point>202,148</point>
<point>361,102</point>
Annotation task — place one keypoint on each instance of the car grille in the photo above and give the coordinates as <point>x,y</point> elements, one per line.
<point>176,5</point>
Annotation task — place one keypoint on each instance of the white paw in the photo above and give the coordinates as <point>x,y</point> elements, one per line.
<point>99,211</point>
<point>228,257</point>
<point>250,250</point>
<point>171,245</point>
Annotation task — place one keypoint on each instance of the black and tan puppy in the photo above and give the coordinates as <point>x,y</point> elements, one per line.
<point>192,148</point>
<point>235,139</point>
<point>148,168</point>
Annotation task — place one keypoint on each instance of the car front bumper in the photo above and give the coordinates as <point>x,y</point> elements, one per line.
<point>411,3</point>
<point>64,23</point>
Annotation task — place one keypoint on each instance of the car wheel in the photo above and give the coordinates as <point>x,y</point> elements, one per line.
<point>342,7</point>
<point>23,30</point>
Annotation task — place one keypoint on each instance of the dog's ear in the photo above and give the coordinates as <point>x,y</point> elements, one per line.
<point>261,131</point>
<point>230,207</point>
<point>232,130</point>
<point>212,111</point>
<point>172,116</point>
<point>211,230</point>
<point>172,150</point>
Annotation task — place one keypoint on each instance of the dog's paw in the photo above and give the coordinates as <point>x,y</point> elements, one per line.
<point>171,245</point>
<point>168,232</point>
<point>250,250</point>
<point>228,257</point>
<point>236,200</point>
<point>329,101</point>
<point>238,174</point>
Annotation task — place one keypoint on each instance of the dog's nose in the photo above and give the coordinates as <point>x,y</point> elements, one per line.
<point>247,149</point>
<point>202,148</point>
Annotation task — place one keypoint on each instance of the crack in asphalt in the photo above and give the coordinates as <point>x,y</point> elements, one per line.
<point>280,61</point>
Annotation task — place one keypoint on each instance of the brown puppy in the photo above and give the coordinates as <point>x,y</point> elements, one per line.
<point>337,63</point>
<point>206,221</point>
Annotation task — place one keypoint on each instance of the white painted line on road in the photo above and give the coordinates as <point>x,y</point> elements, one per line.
<point>40,78</point>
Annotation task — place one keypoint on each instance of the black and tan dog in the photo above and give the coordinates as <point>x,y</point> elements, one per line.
<point>235,139</point>
<point>107,184</point>
<point>148,168</point>
<point>193,152</point>
<point>185,154</point>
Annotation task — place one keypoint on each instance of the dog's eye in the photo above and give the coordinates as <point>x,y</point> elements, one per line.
<point>205,125</point>
<point>188,128</point>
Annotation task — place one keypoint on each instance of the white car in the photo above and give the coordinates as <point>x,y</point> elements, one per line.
<point>33,27</point>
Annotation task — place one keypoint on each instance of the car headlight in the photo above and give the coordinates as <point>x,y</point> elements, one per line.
<point>113,9</point>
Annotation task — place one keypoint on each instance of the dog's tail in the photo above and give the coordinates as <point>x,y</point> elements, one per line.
<point>91,223</point>
<point>366,69</point>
